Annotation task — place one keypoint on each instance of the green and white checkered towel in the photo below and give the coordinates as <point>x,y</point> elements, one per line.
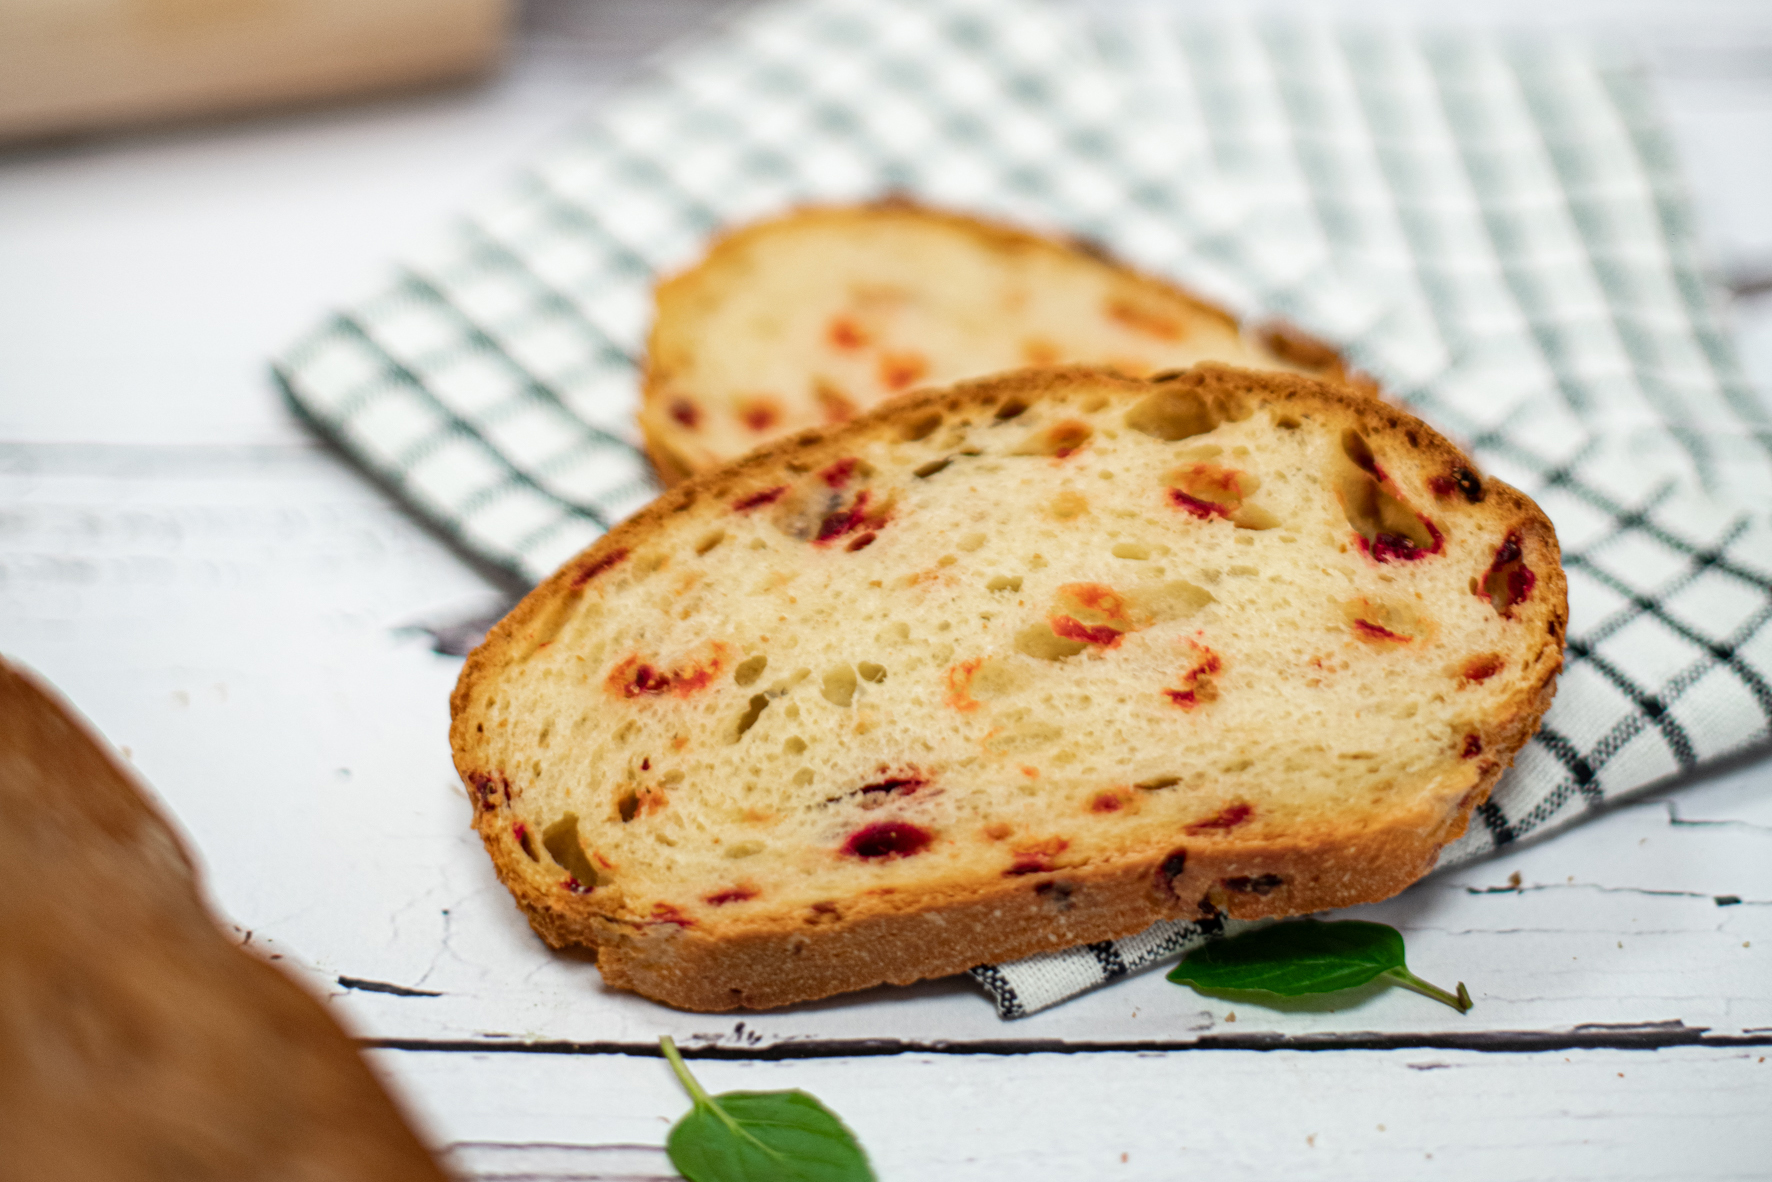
<point>1494,229</point>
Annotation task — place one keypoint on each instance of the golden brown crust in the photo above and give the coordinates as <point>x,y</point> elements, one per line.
<point>1284,341</point>
<point>137,1042</point>
<point>776,959</point>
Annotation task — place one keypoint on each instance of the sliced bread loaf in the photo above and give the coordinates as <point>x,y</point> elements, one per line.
<point>1029,662</point>
<point>809,319</point>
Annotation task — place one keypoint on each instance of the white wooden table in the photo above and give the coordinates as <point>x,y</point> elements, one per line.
<point>242,614</point>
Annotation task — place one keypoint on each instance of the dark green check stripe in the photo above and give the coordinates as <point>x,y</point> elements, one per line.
<point>534,388</point>
<point>454,426</point>
<point>493,256</point>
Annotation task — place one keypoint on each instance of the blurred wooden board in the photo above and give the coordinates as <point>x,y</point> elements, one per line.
<point>69,66</point>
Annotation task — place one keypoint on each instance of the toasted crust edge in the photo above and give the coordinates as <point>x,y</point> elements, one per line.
<point>770,965</point>
<point>1281,338</point>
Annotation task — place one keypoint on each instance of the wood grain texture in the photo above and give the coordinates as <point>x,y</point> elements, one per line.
<point>78,65</point>
<point>135,1041</point>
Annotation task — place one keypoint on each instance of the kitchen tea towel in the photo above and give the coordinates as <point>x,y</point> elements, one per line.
<point>1495,229</point>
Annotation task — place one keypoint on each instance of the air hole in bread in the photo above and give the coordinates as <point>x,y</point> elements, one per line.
<point>1134,551</point>
<point>709,540</point>
<point>1177,599</point>
<point>894,634</point>
<point>1068,505</point>
<point>744,849</point>
<point>871,672</point>
<point>932,467</point>
<point>525,840</point>
<point>750,669</point>
<point>972,542</point>
<point>1388,529</point>
<point>839,685</point>
<point>1171,413</point>
<point>561,841</point>
<point>628,806</point>
<point>1057,440</point>
<point>758,704</point>
<point>1004,583</point>
<point>803,777</point>
<point>1024,736</point>
<point>1158,783</point>
<point>1041,641</point>
<point>1260,884</point>
<point>1013,408</point>
<point>998,677</point>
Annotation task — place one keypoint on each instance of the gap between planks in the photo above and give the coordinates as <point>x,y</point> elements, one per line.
<point>1645,1037</point>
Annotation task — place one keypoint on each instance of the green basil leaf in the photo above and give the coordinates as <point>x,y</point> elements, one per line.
<point>760,1137</point>
<point>1307,956</point>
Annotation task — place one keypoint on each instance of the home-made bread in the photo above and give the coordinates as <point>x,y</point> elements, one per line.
<point>137,1043</point>
<point>809,319</point>
<point>1028,662</point>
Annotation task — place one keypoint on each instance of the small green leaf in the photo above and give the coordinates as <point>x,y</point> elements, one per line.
<point>1307,956</point>
<point>760,1137</point>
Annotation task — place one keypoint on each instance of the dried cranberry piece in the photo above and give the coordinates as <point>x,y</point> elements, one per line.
<point>888,839</point>
<point>597,566</point>
<point>758,499</point>
<point>1228,818</point>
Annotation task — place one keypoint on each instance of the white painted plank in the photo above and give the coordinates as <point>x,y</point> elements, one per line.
<point>1684,1114</point>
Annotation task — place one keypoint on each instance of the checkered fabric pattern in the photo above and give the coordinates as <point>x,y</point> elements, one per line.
<point>1494,229</point>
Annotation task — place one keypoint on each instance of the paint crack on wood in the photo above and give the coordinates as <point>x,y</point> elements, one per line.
<point>1674,818</point>
<point>1522,889</point>
<point>365,985</point>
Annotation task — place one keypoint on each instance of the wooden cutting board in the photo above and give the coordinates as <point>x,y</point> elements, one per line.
<point>69,66</point>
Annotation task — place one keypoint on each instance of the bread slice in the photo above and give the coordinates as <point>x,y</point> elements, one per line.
<point>812,318</point>
<point>1029,662</point>
<point>138,1043</point>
